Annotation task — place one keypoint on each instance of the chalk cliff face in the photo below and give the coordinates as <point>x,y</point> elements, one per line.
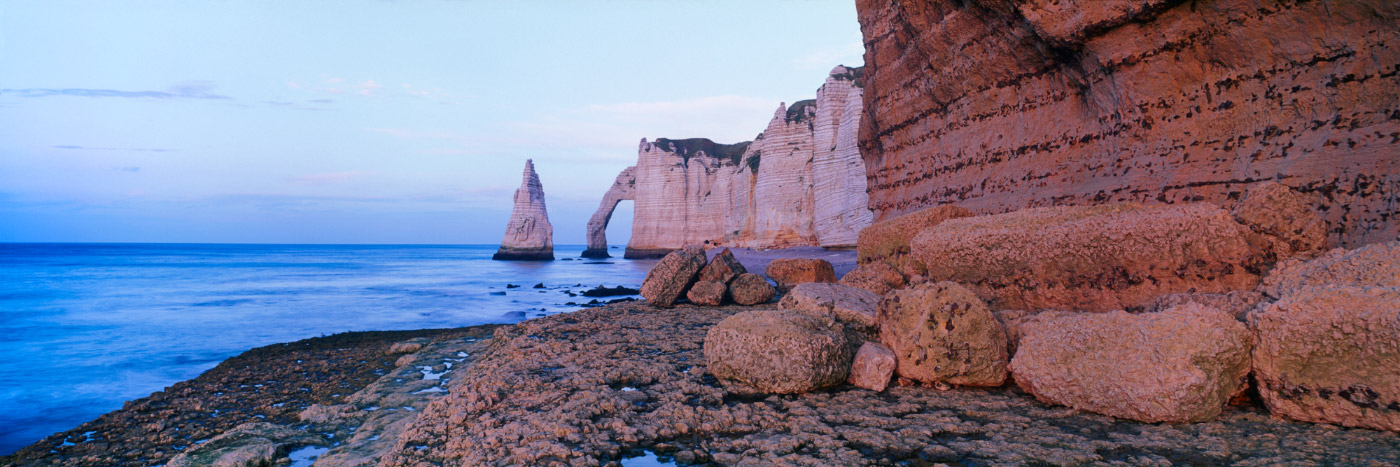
<point>840,204</point>
<point>998,105</point>
<point>529,236</point>
<point>782,194</point>
<point>682,193</point>
<point>624,188</point>
<point>800,182</point>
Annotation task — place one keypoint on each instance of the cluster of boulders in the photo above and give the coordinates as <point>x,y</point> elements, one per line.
<point>685,274</point>
<point>1156,313</point>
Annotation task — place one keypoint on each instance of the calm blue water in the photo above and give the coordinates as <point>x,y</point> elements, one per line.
<point>85,327</point>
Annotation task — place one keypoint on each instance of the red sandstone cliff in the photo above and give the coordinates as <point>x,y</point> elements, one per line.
<point>998,105</point>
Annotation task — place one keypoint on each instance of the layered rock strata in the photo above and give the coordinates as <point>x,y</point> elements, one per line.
<point>997,106</point>
<point>800,182</point>
<point>529,236</point>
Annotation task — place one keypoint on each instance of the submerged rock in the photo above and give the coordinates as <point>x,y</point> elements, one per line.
<point>942,333</point>
<point>788,272</point>
<point>1093,258</point>
<point>1331,355</point>
<point>777,352</point>
<point>601,291</point>
<point>1179,365</point>
<point>751,289</point>
<point>529,236</point>
<point>671,277</point>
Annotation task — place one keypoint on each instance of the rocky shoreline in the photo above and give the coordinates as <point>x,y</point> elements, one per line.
<point>601,385</point>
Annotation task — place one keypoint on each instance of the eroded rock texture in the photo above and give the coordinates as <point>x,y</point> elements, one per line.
<point>778,352</point>
<point>528,233</point>
<point>800,182</point>
<point>1093,258</point>
<point>998,105</point>
<point>597,386</point>
<point>623,188</point>
<point>1331,355</point>
<point>1179,365</point>
<point>941,332</point>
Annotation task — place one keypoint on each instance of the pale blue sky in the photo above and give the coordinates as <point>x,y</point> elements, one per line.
<point>372,121</point>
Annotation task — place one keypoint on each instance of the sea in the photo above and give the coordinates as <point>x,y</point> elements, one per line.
<point>86,327</point>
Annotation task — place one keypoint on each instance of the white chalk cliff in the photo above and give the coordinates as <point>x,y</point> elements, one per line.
<point>529,236</point>
<point>800,182</point>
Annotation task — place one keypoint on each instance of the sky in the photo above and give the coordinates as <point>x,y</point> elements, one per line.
<point>371,121</point>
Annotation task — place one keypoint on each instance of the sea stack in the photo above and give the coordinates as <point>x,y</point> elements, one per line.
<point>529,237</point>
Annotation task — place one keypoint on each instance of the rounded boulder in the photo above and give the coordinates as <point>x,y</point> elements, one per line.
<point>777,352</point>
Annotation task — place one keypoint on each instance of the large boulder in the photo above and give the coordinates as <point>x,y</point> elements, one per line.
<point>669,280</point>
<point>1284,216</point>
<point>1237,303</point>
<point>941,332</point>
<point>788,272</point>
<point>751,289</point>
<point>852,307</point>
<point>1375,265</point>
<point>872,367</point>
<point>1093,258</point>
<point>1179,365</point>
<point>887,241</point>
<point>777,352</point>
<point>708,293</point>
<point>878,277</point>
<point>1331,355</point>
<point>723,268</point>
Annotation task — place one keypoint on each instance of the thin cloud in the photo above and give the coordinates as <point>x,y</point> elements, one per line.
<point>85,148</point>
<point>188,90</point>
<point>329,178</point>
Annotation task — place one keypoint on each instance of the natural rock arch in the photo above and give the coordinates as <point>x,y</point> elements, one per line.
<point>622,189</point>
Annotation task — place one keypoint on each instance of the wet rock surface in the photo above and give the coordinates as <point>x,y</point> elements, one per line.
<point>268,385</point>
<point>535,398</point>
<point>1179,365</point>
